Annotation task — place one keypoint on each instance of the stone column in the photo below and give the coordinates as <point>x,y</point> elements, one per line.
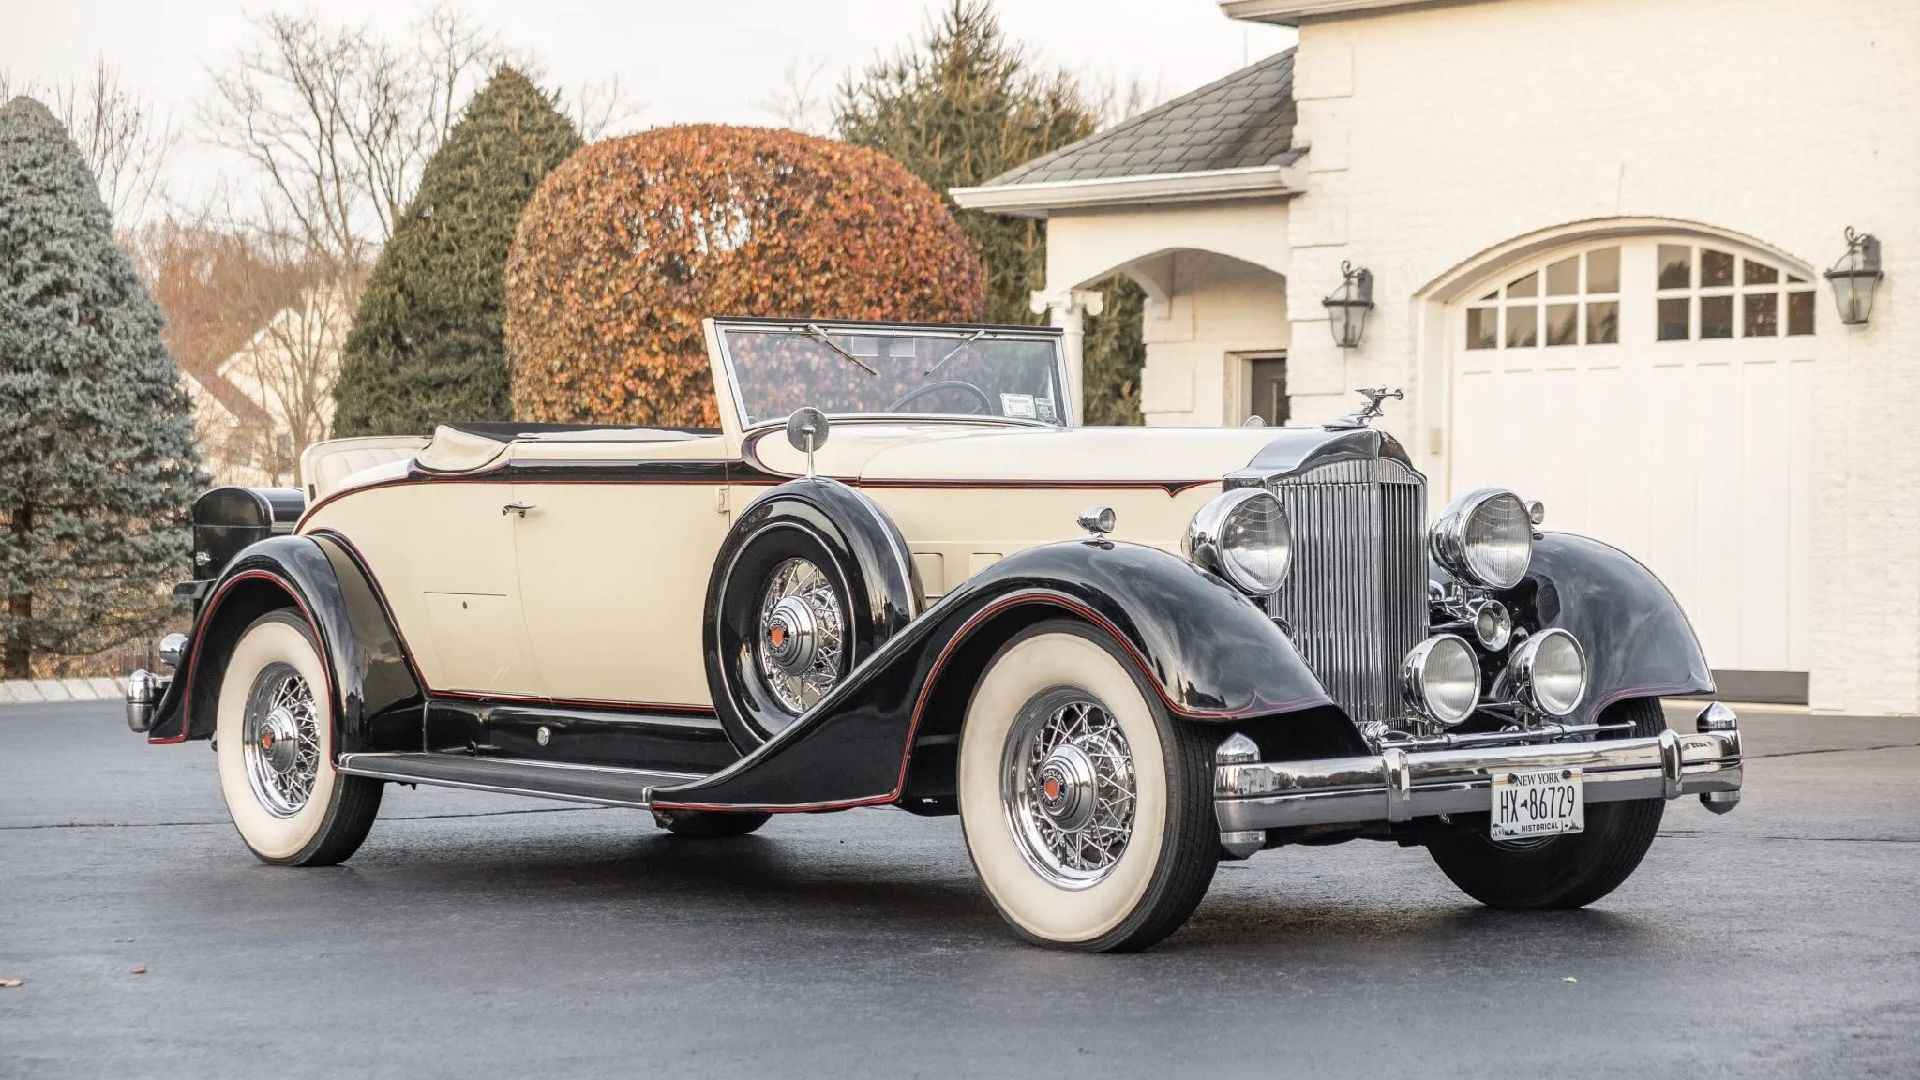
<point>1067,309</point>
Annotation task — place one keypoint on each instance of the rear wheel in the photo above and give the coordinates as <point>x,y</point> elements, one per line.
<point>1567,871</point>
<point>275,750</point>
<point>1088,811</point>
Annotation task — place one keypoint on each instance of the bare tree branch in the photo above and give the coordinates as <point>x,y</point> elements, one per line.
<point>599,108</point>
<point>125,141</point>
<point>338,123</point>
<point>801,101</point>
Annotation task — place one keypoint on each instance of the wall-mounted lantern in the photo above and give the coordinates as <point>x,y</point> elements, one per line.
<point>1855,277</point>
<point>1347,306</point>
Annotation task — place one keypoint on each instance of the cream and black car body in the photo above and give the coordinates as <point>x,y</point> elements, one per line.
<point>899,575</point>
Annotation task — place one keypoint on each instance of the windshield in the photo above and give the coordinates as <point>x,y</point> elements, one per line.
<point>882,370</point>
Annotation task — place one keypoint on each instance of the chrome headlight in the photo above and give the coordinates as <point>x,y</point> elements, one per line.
<point>1442,679</point>
<point>1550,671</point>
<point>1242,535</point>
<point>1485,536</point>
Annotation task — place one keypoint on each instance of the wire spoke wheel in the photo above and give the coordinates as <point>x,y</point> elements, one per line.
<point>1067,783</point>
<point>281,739</point>
<point>801,644</point>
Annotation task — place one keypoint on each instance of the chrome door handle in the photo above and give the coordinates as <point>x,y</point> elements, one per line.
<point>516,508</point>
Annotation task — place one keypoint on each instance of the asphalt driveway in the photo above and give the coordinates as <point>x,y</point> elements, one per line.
<point>480,935</point>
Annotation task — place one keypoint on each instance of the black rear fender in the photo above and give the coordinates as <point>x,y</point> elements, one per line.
<point>376,693</point>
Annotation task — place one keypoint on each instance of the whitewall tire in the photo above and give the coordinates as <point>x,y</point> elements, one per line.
<point>275,748</point>
<point>1088,811</point>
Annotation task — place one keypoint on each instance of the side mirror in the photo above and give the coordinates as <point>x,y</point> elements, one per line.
<point>807,431</point>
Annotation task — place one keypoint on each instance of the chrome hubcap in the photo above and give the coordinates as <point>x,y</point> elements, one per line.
<point>1067,785</point>
<point>281,740</point>
<point>802,635</point>
<point>1066,794</point>
<point>791,636</point>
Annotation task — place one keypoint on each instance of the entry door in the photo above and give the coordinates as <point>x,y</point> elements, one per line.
<point>1267,386</point>
<point>1656,394</point>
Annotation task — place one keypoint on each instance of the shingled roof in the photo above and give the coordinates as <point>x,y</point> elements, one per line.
<point>1241,121</point>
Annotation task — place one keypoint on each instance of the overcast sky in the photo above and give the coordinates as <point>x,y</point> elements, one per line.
<point>705,60</point>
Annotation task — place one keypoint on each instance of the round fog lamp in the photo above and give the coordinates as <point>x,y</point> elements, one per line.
<point>1442,679</point>
<point>1492,624</point>
<point>1550,670</point>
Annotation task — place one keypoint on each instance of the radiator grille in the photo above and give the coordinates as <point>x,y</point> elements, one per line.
<point>1356,598</point>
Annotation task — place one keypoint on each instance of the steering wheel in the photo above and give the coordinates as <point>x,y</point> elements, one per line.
<point>986,403</point>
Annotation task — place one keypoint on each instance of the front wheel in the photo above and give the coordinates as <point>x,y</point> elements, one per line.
<point>1088,811</point>
<point>1571,870</point>
<point>275,750</point>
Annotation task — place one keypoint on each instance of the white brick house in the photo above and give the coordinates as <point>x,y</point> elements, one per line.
<point>1596,230</point>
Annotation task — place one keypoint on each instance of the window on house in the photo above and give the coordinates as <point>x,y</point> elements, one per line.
<point>1568,300</point>
<point>1704,293</point>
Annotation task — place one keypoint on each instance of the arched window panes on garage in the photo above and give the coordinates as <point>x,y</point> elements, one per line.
<point>1706,293</point>
<point>1567,300</point>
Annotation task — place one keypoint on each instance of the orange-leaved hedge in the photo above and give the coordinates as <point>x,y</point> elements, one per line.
<point>632,241</point>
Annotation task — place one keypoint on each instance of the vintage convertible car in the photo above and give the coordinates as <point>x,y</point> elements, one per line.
<point>1119,655</point>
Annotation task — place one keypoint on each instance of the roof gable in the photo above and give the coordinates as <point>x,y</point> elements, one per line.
<point>1244,120</point>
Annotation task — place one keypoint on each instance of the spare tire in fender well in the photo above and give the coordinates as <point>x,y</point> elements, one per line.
<point>870,558</point>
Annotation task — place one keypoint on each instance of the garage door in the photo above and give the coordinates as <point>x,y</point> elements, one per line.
<point>1656,394</point>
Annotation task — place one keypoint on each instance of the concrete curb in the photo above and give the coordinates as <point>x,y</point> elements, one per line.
<point>24,691</point>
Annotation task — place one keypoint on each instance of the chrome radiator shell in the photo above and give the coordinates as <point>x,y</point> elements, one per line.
<point>1355,601</point>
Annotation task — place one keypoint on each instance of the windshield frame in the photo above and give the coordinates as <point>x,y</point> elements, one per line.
<point>956,332</point>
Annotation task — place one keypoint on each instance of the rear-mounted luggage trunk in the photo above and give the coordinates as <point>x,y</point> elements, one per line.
<point>228,520</point>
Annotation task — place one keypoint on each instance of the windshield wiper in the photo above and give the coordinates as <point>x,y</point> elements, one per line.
<point>953,352</point>
<point>828,342</point>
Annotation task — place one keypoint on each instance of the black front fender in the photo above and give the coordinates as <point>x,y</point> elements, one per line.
<point>1209,653</point>
<point>1637,640</point>
<point>377,697</point>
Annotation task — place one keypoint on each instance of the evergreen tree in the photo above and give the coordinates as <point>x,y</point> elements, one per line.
<point>426,346</point>
<point>97,464</point>
<point>963,105</point>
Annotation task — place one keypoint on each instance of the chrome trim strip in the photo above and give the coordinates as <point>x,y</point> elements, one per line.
<point>1399,786</point>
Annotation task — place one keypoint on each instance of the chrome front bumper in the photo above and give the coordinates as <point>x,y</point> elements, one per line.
<point>1398,785</point>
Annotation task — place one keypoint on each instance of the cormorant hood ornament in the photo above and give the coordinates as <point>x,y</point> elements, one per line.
<point>1374,395</point>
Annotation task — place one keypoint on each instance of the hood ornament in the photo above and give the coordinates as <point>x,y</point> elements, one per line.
<point>1374,395</point>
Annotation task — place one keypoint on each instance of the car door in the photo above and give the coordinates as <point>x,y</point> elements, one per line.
<point>443,555</point>
<point>613,564</point>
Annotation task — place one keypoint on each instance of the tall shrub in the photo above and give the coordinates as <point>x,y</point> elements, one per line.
<point>427,345</point>
<point>627,246</point>
<point>958,107</point>
<point>97,465</point>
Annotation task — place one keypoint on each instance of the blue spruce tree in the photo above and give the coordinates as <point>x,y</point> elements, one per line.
<point>97,463</point>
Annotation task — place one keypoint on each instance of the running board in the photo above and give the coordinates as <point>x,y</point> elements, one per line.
<point>597,784</point>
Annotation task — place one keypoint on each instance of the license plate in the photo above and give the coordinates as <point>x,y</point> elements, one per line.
<point>1542,803</point>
